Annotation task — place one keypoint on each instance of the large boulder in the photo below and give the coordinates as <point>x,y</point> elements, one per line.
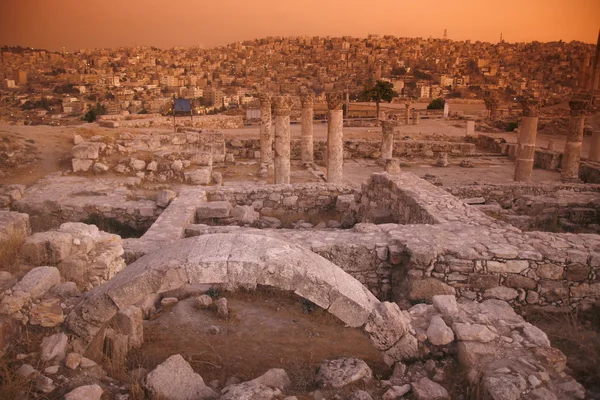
<point>175,379</point>
<point>38,281</point>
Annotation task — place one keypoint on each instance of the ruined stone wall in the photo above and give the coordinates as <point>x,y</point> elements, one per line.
<point>157,121</point>
<point>479,257</point>
<point>282,201</point>
<point>358,148</point>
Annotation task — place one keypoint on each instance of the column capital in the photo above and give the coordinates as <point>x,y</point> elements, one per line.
<point>388,124</point>
<point>264,99</point>
<point>407,105</point>
<point>334,100</point>
<point>530,106</point>
<point>307,100</point>
<point>283,106</point>
<point>578,107</point>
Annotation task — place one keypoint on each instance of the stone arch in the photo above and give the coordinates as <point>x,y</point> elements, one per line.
<point>241,260</point>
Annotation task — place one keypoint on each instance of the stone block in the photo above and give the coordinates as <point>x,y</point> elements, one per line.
<point>386,325</point>
<point>577,272</point>
<point>425,289</point>
<point>45,248</point>
<point>550,271</point>
<point>198,177</point>
<point>87,150</point>
<point>38,281</point>
<point>213,209</point>
<point>510,266</point>
<point>483,281</point>
<point>81,165</point>
<point>554,291</point>
<point>520,282</point>
<point>130,322</point>
<point>501,293</point>
<point>586,290</point>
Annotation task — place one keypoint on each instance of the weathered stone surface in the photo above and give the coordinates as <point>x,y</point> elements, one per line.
<point>174,379</point>
<point>47,314</point>
<point>445,304</point>
<point>425,289</point>
<point>504,387</point>
<point>245,214</point>
<point>405,349</point>
<point>473,353</point>
<point>426,389</point>
<point>577,272</point>
<point>585,289</point>
<point>54,347</point>
<point>473,332</point>
<point>81,165</point>
<point>554,291</point>
<point>130,322</point>
<point>438,332</point>
<point>386,325</point>
<point>204,301</point>
<point>536,335</point>
<point>164,197</point>
<point>87,150</point>
<point>213,209</point>
<point>520,282</point>
<point>510,266</point>
<point>87,392</point>
<point>275,378</point>
<point>341,372</point>
<point>48,248</point>
<point>198,177</point>
<point>501,293</point>
<point>38,281</point>
<point>249,391</point>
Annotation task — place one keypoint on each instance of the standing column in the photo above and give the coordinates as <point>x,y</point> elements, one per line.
<point>416,117</point>
<point>266,132</point>
<point>595,146</point>
<point>283,108</point>
<point>572,152</point>
<point>306,142</point>
<point>526,141</point>
<point>335,138</point>
<point>387,138</point>
<point>407,115</point>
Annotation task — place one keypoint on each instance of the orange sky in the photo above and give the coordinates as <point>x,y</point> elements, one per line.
<point>76,24</point>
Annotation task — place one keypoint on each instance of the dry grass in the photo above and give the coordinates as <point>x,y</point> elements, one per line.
<point>11,243</point>
<point>577,335</point>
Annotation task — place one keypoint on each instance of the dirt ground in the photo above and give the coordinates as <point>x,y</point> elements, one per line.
<point>267,329</point>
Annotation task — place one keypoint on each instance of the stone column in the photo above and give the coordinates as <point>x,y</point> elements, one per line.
<point>387,138</point>
<point>526,141</point>
<point>266,132</point>
<point>595,146</point>
<point>283,108</point>
<point>335,138</point>
<point>407,115</point>
<point>416,117</point>
<point>306,141</point>
<point>572,152</point>
<point>470,128</point>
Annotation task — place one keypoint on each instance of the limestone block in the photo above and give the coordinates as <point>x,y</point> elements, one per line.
<point>99,168</point>
<point>13,224</point>
<point>510,266</point>
<point>438,333</point>
<point>585,290</point>
<point>386,325</point>
<point>473,353</point>
<point>245,214</point>
<point>175,379</point>
<point>405,349</point>
<point>54,347</point>
<point>87,150</point>
<point>86,392</point>
<point>501,293</point>
<point>341,372</point>
<point>81,165</point>
<point>13,302</point>
<point>249,390</point>
<point>38,281</point>
<point>198,177</point>
<point>137,165</point>
<point>445,304</point>
<point>473,332</point>
<point>425,289</point>
<point>177,165</point>
<point>45,248</point>
<point>47,314</point>
<point>130,322</point>
<point>426,389</point>
<point>213,209</point>
<point>164,197</point>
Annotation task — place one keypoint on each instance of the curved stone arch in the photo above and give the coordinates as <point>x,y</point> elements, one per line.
<point>241,260</point>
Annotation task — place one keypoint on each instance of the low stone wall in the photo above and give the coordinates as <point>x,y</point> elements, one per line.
<point>358,148</point>
<point>589,172</point>
<point>283,201</point>
<point>55,200</point>
<point>204,121</point>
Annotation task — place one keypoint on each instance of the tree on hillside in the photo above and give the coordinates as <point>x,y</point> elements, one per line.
<point>381,91</point>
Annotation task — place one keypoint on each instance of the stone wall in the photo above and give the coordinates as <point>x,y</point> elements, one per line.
<point>283,201</point>
<point>55,200</point>
<point>478,257</point>
<point>358,148</point>
<point>157,121</point>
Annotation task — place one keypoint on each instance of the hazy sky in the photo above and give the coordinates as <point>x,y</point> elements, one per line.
<point>75,24</point>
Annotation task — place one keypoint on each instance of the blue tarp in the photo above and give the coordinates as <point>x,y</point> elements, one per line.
<point>183,106</point>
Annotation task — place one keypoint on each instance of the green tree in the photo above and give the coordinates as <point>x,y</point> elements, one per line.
<point>381,91</point>
<point>436,104</point>
<point>93,113</point>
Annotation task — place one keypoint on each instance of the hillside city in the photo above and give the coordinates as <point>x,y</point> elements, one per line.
<point>45,87</point>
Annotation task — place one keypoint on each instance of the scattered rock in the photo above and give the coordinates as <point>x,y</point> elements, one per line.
<point>341,372</point>
<point>54,347</point>
<point>175,379</point>
<point>222,307</point>
<point>87,392</point>
<point>426,389</point>
<point>438,332</point>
